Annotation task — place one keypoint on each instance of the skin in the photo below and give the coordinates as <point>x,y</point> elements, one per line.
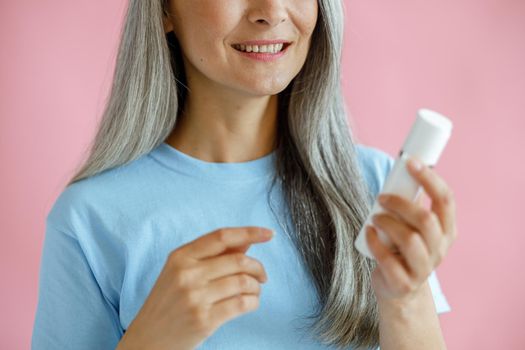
<point>238,121</point>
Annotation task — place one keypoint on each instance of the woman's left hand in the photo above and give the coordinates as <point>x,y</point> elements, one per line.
<point>422,236</point>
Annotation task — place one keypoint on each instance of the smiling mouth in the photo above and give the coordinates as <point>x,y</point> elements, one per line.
<point>269,49</point>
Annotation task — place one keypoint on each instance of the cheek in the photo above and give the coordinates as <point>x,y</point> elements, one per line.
<point>202,26</point>
<point>305,16</point>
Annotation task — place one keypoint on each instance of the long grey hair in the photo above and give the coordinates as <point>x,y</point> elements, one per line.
<point>316,161</point>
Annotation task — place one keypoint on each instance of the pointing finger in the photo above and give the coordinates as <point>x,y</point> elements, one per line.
<point>219,241</point>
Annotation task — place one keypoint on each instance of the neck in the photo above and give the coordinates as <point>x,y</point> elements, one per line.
<point>224,125</point>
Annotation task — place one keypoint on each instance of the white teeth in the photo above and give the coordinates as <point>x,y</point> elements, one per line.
<point>260,48</point>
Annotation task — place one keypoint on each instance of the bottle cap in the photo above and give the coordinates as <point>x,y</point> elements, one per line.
<point>428,136</point>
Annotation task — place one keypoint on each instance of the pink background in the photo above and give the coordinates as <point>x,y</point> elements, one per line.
<point>465,59</point>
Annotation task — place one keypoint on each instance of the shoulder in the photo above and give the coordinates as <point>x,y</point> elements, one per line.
<point>98,196</point>
<point>375,164</point>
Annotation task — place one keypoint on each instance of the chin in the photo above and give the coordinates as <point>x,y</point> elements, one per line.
<point>264,88</point>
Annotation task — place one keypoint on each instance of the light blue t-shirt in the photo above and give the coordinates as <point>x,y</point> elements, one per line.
<point>108,237</point>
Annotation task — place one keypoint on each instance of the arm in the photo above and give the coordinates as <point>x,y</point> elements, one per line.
<point>414,325</point>
<point>72,311</point>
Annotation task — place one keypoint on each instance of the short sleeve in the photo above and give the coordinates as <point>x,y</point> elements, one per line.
<point>440,300</point>
<point>375,164</point>
<point>72,312</point>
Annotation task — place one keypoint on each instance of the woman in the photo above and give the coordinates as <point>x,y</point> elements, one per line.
<point>226,122</point>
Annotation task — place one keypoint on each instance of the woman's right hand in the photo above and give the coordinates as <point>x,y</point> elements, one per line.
<point>203,284</point>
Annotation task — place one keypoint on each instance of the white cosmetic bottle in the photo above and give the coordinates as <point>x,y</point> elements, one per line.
<point>426,141</point>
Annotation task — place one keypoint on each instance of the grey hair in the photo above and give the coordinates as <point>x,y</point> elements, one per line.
<point>316,159</point>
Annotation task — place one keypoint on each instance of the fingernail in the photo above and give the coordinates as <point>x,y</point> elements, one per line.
<point>415,164</point>
<point>383,198</point>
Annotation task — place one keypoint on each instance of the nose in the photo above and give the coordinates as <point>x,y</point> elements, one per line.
<point>268,12</point>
